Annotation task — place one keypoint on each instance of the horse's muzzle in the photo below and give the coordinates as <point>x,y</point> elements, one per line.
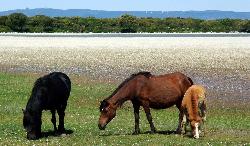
<point>101,127</point>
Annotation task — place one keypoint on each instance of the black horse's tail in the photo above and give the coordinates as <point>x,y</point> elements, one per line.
<point>190,80</point>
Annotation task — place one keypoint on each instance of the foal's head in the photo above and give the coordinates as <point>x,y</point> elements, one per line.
<point>31,124</point>
<point>108,112</point>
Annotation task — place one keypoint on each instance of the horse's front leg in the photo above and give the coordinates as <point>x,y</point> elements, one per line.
<point>184,124</point>
<point>149,117</point>
<point>137,117</point>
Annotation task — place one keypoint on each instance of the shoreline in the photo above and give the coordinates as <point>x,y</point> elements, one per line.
<point>195,34</point>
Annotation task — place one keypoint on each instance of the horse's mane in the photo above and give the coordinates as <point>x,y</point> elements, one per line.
<point>144,73</point>
<point>38,84</point>
<point>194,104</point>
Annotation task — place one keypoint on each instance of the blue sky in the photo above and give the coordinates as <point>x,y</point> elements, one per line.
<point>147,5</point>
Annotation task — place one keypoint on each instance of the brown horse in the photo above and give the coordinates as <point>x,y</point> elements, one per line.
<point>148,91</point>
<point>194,107</point>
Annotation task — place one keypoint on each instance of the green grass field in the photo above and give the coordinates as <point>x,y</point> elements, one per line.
<point>229,125</point>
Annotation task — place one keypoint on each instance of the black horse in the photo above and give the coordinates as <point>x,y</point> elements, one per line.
<point>50,92</point>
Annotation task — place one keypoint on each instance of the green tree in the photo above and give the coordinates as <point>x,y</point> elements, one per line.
<point>211,26</point>
<point>17,22</point>
<point>3,20</point>
<point>40,23</point>
<point>227,24</point>
<point>246,27</point>
<point>4,28</point>
<point>128,23</point>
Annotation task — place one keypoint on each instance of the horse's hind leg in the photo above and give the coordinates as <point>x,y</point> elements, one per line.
<point>53,119</point>
<point>137,117</point>
<point>180,124</point>
<point>149,117</point>
<point>61,114</point>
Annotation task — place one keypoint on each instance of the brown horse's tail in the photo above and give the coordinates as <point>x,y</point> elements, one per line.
<point>190,80</point>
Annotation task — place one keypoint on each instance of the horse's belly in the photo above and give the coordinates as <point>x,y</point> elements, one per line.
<point>160,106</point>
<point>162,103</point>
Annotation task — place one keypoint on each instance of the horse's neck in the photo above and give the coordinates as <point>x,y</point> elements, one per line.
<point>34,104</point>
<point>123,94</point>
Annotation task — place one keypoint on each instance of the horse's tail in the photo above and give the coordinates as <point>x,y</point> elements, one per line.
<point>190,80</point>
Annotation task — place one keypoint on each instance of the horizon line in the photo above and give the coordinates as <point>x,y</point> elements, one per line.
<point>127,10</point>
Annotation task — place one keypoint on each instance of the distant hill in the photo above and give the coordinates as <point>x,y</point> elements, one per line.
<point>209,14</point>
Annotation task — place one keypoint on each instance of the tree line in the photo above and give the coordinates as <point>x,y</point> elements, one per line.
<point>18,22</point>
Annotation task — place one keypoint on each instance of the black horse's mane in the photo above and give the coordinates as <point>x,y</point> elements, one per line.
<point>40,82</point>
<point>144,73</point>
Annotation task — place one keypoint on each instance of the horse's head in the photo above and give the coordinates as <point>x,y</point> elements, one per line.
<point>195,129</point>
<point>30,124</point>
<point>108,112</point>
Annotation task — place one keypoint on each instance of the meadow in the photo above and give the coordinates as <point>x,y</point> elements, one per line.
<point>97,65</point>
<point>225,125</point>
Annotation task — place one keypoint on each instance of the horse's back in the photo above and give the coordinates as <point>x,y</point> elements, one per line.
<point>59,84</point>
<point>58,88</point>
<point>166,90</point>
<point>174,81</point>
<point>196,91</point>
<point>61,80</point>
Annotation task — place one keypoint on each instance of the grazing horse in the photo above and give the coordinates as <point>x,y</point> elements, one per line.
<point>50,92</point>
<point>148,91</point>
<point>194,107</point>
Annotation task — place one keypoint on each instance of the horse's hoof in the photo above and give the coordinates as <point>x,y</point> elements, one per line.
<point>63,135</point>
<point>61,131</point>
<point>196,136</point>
<point>152,131</point>
<point>178,132</point>
<point>136,133</point>
<point>57,133</point>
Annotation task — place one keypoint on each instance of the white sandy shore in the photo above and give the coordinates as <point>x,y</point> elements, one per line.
<point>159,53</point>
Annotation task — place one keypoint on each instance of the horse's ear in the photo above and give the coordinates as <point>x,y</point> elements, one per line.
<point>104,104</point>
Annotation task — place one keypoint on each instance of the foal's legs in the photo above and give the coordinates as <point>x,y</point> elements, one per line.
<point>149,117</point>
<point>184,124</point>
<point>137,117</point>
<point>61,114</point>
<point>53,119</point>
